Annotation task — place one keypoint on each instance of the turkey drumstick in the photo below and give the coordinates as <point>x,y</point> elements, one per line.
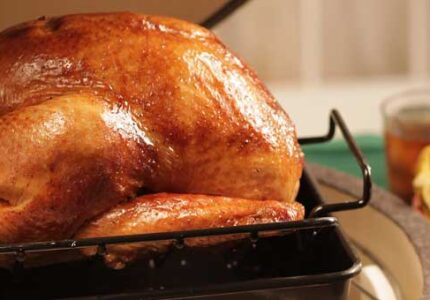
<point>178,212</point>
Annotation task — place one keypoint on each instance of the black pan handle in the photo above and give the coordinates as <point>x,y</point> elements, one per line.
<point>323,209</point>
<point>222,13</point>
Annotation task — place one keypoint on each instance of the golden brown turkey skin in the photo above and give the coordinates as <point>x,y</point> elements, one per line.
<point>94,107</point>
<point>177,212</point>
<point>60,164</point>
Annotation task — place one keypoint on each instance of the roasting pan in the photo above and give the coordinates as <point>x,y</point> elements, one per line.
<point>307,259</point>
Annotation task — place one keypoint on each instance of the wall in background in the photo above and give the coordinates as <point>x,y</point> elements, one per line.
<point>267,35</point>
<point>364,37</point>
<point>317,40</point>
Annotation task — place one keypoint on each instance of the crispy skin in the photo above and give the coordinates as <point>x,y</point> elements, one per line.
<point>177,212</point>
<point>94,107</point>
<point>61,164</point>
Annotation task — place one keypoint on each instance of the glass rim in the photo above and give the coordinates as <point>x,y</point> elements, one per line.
<point>402,96</point>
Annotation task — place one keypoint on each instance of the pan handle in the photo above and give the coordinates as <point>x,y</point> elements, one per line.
<point>323,209</point>
<point>222,13</point>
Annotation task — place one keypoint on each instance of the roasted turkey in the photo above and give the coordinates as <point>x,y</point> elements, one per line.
<point>96,108</point>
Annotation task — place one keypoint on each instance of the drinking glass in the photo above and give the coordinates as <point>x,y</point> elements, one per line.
<point>406,132</point>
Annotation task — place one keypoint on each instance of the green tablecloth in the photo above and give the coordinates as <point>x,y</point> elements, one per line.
<point>335,154</point>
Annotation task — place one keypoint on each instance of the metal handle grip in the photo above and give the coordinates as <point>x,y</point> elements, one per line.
<point>323,209</point>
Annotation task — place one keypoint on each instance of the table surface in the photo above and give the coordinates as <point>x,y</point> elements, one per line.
<point>409,230</point>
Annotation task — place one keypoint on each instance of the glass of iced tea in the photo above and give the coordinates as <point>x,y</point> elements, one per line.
<point>407,132</point>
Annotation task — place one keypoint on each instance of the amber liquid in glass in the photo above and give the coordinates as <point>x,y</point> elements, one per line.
<point>402,154</point>
<point>405,136</point>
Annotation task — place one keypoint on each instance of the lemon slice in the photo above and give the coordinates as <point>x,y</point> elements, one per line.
<point>421,181</point>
